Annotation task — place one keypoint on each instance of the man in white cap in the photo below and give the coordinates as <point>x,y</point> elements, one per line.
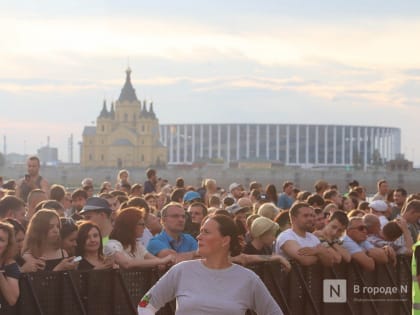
<point>238,213</point>
<point>235,191</point>
<point>381,210</point>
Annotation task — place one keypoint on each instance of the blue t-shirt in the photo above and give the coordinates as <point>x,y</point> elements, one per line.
<point>354,247</point>
<point>163,241</point>
<point>285,201</point>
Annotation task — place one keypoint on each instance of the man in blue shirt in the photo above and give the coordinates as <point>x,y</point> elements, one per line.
<point>361,251</point>
<point>286,198</point>
<point>171,240</point>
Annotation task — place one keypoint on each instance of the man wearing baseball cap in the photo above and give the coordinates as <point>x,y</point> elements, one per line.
<point>381,210</point>
<point>236,191</point>
<point>98,210</point>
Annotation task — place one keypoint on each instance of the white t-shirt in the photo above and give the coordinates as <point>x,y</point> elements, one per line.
<point>204,291</point>
<point>309,240</point>
<point>114,246</point>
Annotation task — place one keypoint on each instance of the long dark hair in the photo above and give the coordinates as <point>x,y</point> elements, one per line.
<point>82,235</point>
<point>271,192</point>
<point>227,227</point>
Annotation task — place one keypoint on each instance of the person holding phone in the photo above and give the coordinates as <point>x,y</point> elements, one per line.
<point>42,241</point>
<point>89,248</point>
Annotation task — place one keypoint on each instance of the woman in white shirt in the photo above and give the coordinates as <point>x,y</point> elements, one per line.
<point>211,285</point>
<point>123,247</point>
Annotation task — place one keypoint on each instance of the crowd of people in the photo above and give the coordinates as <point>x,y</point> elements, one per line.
<point>206,231</point>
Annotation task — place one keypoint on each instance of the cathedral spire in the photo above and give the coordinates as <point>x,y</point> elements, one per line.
<point>104,112</point>
<point>128,93</point>
<point>112,111</point>
<point>151,112</point>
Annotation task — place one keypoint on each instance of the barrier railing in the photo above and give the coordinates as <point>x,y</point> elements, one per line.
<point>387,290</point>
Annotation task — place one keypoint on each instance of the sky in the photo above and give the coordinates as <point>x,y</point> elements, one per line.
<point>272,61</point>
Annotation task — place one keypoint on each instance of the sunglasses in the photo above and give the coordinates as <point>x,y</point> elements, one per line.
<point>360,228</point>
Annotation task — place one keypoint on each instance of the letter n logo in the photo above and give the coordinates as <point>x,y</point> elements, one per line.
<point>335,291</point>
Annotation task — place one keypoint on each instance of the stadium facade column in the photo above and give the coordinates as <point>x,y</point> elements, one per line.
<point>267,142</point>
<point>365,154</point>
<point>210,141</point>
<point>171,146</point>
<point>247,141</point>
<point>193,144</point>
<point>316,145</point>
<point>335,145</point>
<point>307,145</point>
<point>178,144</point>
<point>185,143</point>
<point>201,141</point>
<point>343,145</point>
<point>238,134</point>
<point>219,141</point>
<point>228,146</point>
<point>257,142</point>
<point>277,142</point>
<point>351,146</point>
<point>287,144</point>
<point>297,144</point>
<point>325,144</point>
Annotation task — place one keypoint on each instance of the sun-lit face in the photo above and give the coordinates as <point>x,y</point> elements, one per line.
<point>210,241</point>
<point>53,234</point>
<point>174,220</point>
<point>305,219</point>
<point>357,231</point>
<point>348,205</point>
<point>152,202</point>
<point>196,213</point>
<point>33,167</point>
<point>334,229</point>
<point>93,240</point>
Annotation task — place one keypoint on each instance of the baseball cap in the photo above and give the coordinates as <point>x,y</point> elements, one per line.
<point>235,208</point>
<point>191,195</point>
<point>378,205</point>
<point>96,204</point>
<point>233,186</point>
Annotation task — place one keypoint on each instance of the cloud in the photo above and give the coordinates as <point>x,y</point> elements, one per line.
<point>389,43</point>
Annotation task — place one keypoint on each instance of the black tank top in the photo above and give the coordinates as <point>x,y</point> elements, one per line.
<point>25,188</point>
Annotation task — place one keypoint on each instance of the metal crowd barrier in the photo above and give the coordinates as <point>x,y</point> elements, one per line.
<point>300,292</point>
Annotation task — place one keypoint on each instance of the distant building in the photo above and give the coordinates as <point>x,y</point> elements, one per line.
<point>286,144</point>
<point>400,163</point>
<point>48,155</point>
<point>125,136</point>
